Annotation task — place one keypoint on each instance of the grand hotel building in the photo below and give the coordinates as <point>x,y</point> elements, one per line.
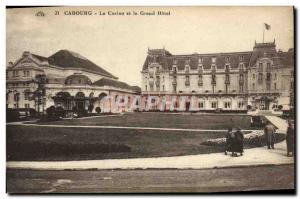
<point>259,79</point>
<point>71,81</point>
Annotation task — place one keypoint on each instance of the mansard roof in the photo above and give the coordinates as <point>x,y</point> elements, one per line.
<point>166,60</point>
<point>116,84</point>
<point>69,59</point>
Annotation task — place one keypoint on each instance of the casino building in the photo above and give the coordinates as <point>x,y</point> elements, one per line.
<point>70,81</point>
<point>261,79</point>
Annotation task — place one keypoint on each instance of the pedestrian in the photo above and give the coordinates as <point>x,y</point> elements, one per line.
<point>290,137</point>
<point>239,142</point>
<point>269,131</point>
<point>228,144</point>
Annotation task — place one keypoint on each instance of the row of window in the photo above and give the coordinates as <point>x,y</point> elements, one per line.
<point>15,73</point>
<point>17,96</point>
<point>268,86</point>
<point>213,67</point>
<point>18,84</point>
<point>213,60</point>
<point>260,67</point>
<point>269,76</point>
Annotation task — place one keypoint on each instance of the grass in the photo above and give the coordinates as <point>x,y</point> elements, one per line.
<point>162,120</point>
<point>50,143</point>
<point>149,143</point>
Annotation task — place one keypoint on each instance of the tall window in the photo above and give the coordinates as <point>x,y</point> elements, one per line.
<point>241,88</point>
<point>275,86</point>
<point>227,104</point>
<point>26,95</point>
<point>253,86</point>
<point>200,60</point>
<point>187,80</point>
<point>145,87</point>
<point>214,105</point>
<point>227,59</point>
<point>201,104</point>
<point>268,76</point>
<point>260,78</point>
<point>268,66</point>
<point>226,67</point>
<point>241,105</point>
<point>213,60</point>
<point>241,58</point>
<point>260,67</point>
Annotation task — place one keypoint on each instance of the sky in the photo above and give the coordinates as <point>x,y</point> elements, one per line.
<point>119,43</point>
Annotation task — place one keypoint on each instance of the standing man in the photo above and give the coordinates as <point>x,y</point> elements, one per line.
<point>290,137</point>
<point>269,131</point>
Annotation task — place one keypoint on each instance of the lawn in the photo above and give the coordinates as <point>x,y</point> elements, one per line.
<point>67,143</point>
<point>163,120</point>
<point>50,143</point>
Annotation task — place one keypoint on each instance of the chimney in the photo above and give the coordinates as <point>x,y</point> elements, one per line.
<point>26,53</point>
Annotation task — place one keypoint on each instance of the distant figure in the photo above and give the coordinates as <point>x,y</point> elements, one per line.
<point>269,131</point>
<point>228,145</point>
<point>238,144</point>
<point>290,138</point>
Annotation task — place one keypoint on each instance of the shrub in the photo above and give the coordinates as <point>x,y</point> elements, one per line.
<point>98,109</point>
<point>90,108</point>
<point>37,150</point>
<point>32,112</point>
<point>249,107</point>
<point>74,109</point>
<point>12,115</point>
<point>82,113</point>
<point>51,112</point>
<point>59,112</point>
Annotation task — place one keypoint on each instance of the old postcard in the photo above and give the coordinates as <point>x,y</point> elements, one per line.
<point>150,99</point>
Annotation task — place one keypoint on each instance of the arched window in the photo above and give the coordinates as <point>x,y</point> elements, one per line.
<point>80,95</point>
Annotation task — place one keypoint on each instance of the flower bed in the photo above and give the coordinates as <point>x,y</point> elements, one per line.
<point>255,138</point>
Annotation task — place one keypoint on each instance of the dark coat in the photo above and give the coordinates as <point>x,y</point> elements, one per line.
<point>238,142</point>
<point>290,139</point>
<point>229,141</point>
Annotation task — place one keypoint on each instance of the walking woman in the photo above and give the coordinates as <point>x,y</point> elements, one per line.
<point>228,145</point>
<point>290,137</point>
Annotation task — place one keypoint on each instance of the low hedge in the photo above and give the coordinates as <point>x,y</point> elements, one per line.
<point>49,151</point>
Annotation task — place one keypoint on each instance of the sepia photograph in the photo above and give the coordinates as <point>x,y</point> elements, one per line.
<point>150,99</point>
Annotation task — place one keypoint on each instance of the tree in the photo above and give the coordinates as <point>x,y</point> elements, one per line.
<point>98,109</point>
<point>90,108</point>
<point>39,94</point>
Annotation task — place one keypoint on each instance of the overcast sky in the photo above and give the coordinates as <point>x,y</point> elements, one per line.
<point>119,43</point>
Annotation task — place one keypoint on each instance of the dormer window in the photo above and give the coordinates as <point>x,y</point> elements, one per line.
<point>227,59</point>
<point>213,60</point>
<point>227,67</point>
<point>174,69</point>
<point>187,68</point>
<point>241,58</point>
<point>200,68</point>
<point>200,60</point>
<point>175,61</point>
<point>187,62</point>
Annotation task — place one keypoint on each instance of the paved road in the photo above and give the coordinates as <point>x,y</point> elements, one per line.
<point>205,180</point>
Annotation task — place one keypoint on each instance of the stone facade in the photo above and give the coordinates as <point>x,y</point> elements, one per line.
<point>262,78</point>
